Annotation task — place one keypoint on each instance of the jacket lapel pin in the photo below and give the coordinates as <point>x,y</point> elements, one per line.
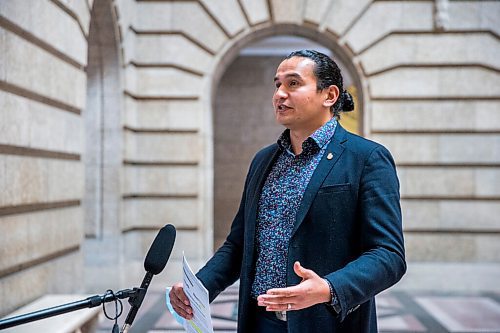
<point>329,156</point>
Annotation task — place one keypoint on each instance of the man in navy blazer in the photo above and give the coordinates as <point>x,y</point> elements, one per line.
<point>329,198</point>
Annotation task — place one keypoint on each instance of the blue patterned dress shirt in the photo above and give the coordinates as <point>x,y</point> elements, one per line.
<point>279,202</point>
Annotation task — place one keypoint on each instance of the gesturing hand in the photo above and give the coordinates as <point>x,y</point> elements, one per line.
<point>312,290</point>
<point>180,302</point>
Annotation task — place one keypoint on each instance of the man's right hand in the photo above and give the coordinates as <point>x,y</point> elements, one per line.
<point>180,302</point>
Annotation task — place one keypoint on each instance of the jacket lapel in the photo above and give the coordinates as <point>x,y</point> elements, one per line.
<point>260,174</point>
<point>329,159</point>
<point>255,187</point>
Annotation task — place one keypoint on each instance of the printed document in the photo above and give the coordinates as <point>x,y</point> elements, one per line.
<point>198,298</point>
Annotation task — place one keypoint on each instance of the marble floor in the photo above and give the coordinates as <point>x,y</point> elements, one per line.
<point>397,312</point>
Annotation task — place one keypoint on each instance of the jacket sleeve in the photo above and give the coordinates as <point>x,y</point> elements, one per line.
<point>224,268</point>
<point>382,262</point>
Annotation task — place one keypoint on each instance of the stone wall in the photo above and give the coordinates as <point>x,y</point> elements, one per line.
<point>43,54</point>
<point>428,78</point>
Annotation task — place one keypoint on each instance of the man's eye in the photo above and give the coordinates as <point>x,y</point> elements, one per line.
<point>293,83</point>
<point>277,85</point>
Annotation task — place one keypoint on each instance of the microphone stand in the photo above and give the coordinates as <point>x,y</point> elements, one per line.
<point>89,302</point>
<point>155,261</point>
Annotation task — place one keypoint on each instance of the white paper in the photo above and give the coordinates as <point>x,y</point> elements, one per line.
<point>199,301</point>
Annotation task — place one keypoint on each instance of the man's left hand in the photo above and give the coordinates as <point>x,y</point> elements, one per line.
<point>312,290</point>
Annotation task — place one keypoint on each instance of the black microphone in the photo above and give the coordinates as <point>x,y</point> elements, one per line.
<point>155,262</point>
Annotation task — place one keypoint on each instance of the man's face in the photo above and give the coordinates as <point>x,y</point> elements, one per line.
<point>298,105</point>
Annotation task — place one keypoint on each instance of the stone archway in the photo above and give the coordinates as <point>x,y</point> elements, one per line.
<point>176,51</point>
<point>242,121</point>
<point>174,55</point>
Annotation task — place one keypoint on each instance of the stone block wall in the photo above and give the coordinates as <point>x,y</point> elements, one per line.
<point>43,54</point>
<point>428,78</point>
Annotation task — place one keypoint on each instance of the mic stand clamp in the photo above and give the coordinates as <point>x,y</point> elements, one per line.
<point>138,297</point>
<point>135,301</point>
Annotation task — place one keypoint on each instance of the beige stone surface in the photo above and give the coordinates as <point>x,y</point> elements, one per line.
<point>483,214</point>
<point>3,62</point>
<point>475,148</point>
<point>384,17</point>
<point>421,214</point>
<point>31,124</point>
<point>154,114</point>
<point>139,242</point>
<point>3,182</point>
<point>171,274</point>
<point>127,11</point>
<point>488,247</point>
<point>184,243</point>
<point>488,182</point>
<point>15,241</point>
<point>445,276</point>
<point>341,13</point>
<point>442,148</point>
<point>256,10</point>
<point>182,147</point>
<point>61,275</point>
<point>30,236</point>
<point>444,116</point>
<point>172,16</point>
<point>439,247</point>
<point>452,247</point>
<point>457,182</point>
<point>161,180</point>
<point>25,65</point>
<point>82,10</point>
<point>128,44</point>
<point>450,214</point>
<point>181,212</point>
<point>436,82</point>
<point>428,49</point>
<point>170,49</point>
<point>228,13</point>
<point>33,180</point>
<point>163,82</point>
<point>410,148</point>
<point>288,11</point>
<point>50,24</point>
<point>316,10</point>
<point>474,15</point>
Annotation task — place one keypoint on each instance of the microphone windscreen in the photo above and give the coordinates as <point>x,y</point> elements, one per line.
<point>160,250</point>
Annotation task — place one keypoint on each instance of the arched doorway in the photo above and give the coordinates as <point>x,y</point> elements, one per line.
<point>243,120</point>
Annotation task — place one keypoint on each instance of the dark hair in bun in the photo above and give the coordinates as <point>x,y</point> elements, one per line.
<point>328,73</point>
<point>347,101</point>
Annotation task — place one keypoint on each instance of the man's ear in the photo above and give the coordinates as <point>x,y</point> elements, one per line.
<point>332,94</point>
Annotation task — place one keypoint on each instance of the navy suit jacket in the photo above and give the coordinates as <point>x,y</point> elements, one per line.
<point>348,230</point>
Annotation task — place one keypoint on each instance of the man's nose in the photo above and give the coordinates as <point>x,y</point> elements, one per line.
<point>280,92</point>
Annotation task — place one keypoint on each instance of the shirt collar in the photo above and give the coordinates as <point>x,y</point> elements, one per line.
<point>324,134</point>
<point>318,139</point>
